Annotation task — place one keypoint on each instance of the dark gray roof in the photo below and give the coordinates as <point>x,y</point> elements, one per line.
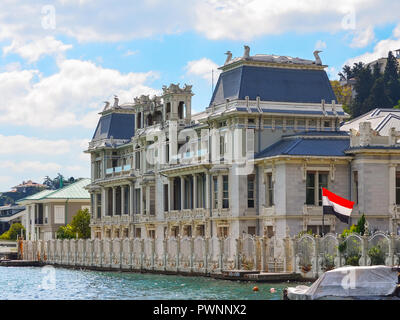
<point>301,146</point>
<point>116,125</point>
<point>273,84</point>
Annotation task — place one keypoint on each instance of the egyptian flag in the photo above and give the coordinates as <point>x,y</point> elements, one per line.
<point>333,204</point>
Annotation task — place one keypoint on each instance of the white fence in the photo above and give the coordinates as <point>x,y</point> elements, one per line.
<point>308,255</point>
<point>181,254</point>
<point>315,255</point>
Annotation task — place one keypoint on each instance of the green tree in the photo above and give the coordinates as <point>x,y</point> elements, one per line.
<point>81,223</point>
<point>66,232</point>
<point>391,80</point>
<point>80,226</point>
<point>14,232</point>
<point>363,86</point>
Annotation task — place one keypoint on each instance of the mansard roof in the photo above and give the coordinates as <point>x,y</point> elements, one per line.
<point>116,125</point>
<point>294,85</point>
<point>304,144</point>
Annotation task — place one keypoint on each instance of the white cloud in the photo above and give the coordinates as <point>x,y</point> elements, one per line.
<point>130,53</point>
<point>122,20</point>
<point>70,97</point>
<point>203,68</point>
<point>380,50</point>
<point>19,144</point>
<point>363,37</point>
<point>27,166</point>
<point>320,45</point>
<point>33,50</point>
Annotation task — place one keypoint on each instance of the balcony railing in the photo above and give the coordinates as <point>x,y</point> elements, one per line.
<point>268,211</point>
<point>118,170</point>
<point>312,210</point>
<point>197,213</point>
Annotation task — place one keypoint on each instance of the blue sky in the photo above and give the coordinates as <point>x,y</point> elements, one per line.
<point>61,59</point>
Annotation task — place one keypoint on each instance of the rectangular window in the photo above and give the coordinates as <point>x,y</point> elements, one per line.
<point>59,214</point>
<point>270,190</point>
<point>269,231</point>
<point>223,232</point>
<point>137,160</point>
<point>310,188</point>
<point>200,230</point>
<point>98,209</point>
<point>152,234</point>
<point>165,197</point>
<point>397,187</point>
<point>215,192</point>
<point>250,190</point>
<point>355,186</point>
<point>225,193</point>
<point>221,146</point>
<point>126,200</point>
<point>319,180</point>
<point>137,201</point>
<point>251,231</point>
<point>46,215</point>
<point>322,183</point>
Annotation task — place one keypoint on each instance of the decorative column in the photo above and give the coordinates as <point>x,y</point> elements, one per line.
<point>141,200</point>
<point>114,202</point>
<point>194,191</point>
<point>207,194</point>
<point>148,200</point>
<point>182,193</point>
<point>123,200</point>
<point>170,194</point>
<point>220,186</point>
<point>131,205</point>
<point>104,201</point>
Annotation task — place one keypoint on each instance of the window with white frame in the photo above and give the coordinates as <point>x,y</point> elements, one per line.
<point>269,190</point>
<point>59,214</point>
<point>315,181</point>
<point>250,190</point>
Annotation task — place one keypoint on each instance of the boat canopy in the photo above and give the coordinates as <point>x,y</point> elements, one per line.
<point>349,282</point>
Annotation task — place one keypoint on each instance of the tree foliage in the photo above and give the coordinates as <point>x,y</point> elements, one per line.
<point>373,88</point>
<point>79,227</point>
<point>14,232</point>
<point>57,182</point>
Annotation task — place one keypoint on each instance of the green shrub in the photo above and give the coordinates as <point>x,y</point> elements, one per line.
<point>80,226</point>
<point>14,232</point>
<point>377,255</point>
<point>66,232</point>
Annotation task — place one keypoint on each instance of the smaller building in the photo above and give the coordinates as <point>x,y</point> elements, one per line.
<point>10,214</point>
<point>381,62</point>
<point>47,210</point>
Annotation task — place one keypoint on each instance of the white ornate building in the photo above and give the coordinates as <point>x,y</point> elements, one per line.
<point>253,161</point>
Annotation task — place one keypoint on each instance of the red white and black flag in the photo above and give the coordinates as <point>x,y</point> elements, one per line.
<point>333,204</point>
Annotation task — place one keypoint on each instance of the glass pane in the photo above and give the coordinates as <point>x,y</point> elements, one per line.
<point>323,180</point>
<point>397,195</point>
<point>310,180</point>
<point>310,196</point>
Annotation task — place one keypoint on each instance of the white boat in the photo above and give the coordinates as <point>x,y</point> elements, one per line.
<point>351,283</point>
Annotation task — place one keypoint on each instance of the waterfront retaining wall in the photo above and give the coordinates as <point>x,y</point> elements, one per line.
<point>307,255</point>
<point>178,255</point>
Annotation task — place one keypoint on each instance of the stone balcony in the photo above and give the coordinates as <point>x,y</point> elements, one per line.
<point>312,210</point>
<point>118,171</point>
<point>187,214</point>
<point>268,211</point>
<point>221,213</point>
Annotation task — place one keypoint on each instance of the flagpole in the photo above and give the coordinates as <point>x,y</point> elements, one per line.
<point>322,214</point>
